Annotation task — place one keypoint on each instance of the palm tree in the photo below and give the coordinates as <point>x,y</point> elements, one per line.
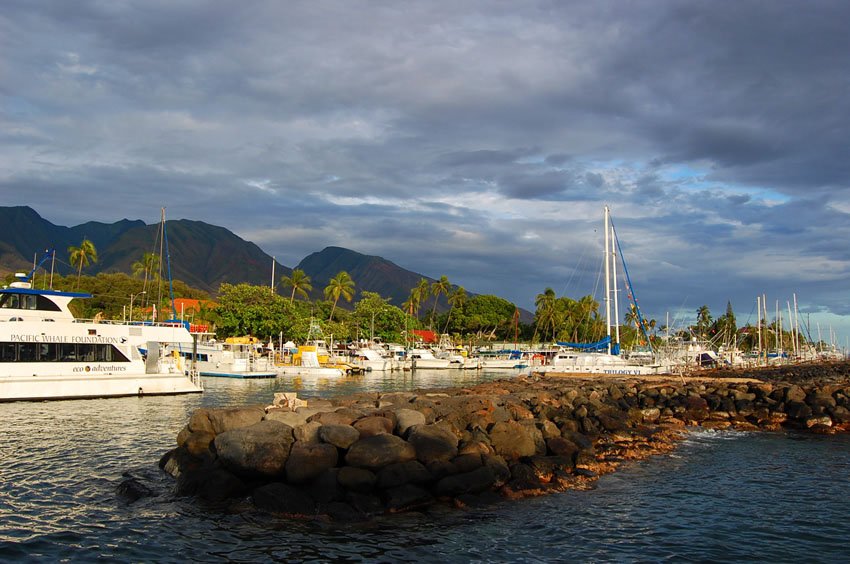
<point>423,290</point>
<point>456,299</point>
<point>145,266</point>
<point>82,255</point>
<point>300,283</point>
<point>545,304</point>
<point>340,285</point>
<point>411,306</point>
<point>703,320</point>
<point>441,286</point>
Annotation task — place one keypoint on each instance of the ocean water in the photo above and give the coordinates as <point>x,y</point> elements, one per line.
<point>720,497</point>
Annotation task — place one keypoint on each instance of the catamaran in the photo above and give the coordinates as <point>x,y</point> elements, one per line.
<point>603,357</point>
<point>46,354</point>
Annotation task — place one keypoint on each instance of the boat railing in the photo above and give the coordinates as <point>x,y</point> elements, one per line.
<point>132,323</point>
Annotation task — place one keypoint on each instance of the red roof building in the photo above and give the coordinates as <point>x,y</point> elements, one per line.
<point>427,337</point>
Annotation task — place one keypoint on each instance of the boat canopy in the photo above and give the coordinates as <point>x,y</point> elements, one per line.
<point>597,346</point>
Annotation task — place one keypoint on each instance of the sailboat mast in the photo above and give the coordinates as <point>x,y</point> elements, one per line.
<point>616,319</point>
<point>607,282</point>
<point>758,321</point>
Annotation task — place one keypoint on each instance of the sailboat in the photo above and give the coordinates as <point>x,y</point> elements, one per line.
<point>604,356</point>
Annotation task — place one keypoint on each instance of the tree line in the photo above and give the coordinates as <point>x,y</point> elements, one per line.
<point>244,309</point>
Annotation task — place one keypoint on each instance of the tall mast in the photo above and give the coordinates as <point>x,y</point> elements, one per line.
<point>758,321</point>
<point>607,282</point>
<point>616,318</point>
<point>796,327</point>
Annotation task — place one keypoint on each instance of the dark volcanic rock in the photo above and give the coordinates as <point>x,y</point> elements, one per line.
<point>379,451</point>
<point>432,442</point>
<point>342,436</point>
<point>281,498</point>
<point>308,460</point>
<point>259,450</point>
<point>512,440</point>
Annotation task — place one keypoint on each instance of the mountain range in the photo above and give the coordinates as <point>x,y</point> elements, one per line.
<point>202,255</point>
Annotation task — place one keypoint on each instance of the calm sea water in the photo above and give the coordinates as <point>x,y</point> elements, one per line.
<point>722,496</point>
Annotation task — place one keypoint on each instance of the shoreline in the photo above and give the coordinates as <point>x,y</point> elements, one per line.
<point>359,456</point>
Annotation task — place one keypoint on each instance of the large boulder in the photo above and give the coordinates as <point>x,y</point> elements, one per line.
<point>378,451</point>
<point>198,443</point>
<point>475,481</point>
<point>282,498</point>
<point>342,436</point>
<point>229,418</point>
<point>407,418</point>
<point>292,418</point>
<point>356,479</point>
<point>308,432</point>
<point>512,440</point>
<point>260,450</point>
<point>308,460</point>
<point>374,425</point>
<point>432,442</point>
<point>401,473</point>
<point>406,498</point>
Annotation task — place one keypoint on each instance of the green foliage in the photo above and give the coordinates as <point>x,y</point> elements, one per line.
<point>374,316</point>
<point>485,317</point>
<point>251,310</point>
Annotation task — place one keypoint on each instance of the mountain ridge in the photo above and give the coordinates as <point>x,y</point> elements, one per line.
<point>202,255</point>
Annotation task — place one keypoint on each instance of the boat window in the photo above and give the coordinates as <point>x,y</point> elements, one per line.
<point>27,352</point>
<point>8,352</point>
<point>85,353</point>
<point>46,304</point>
<point>11,301</point>
<point>68,352</point>
<point>103,354</point>
<point>48,352</point>
<point>60,352</point>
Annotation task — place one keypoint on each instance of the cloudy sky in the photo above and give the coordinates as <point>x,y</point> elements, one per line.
<point>479,140</point>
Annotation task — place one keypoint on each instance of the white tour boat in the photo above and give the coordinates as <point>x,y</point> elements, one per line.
<point>45,353</point>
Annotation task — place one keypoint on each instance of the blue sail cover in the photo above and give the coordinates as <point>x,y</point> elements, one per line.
<point>597,346</point>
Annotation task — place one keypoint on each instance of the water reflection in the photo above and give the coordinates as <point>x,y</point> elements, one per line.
<point>720,497</point>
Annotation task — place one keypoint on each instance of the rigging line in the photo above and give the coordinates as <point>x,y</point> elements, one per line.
<point>632,296</point>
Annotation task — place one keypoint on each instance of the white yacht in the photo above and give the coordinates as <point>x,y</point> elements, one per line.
<point>45,353</point>
<point>239,357</point>
<point>370,360</point>
<point>423,358</point>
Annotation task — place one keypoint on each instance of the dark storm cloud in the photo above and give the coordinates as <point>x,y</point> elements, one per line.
<point>478,139</point>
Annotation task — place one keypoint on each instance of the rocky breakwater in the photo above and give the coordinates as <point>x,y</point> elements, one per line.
<point>354,457</point>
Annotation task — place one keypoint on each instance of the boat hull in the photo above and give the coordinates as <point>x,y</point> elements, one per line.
<point>72,386</point>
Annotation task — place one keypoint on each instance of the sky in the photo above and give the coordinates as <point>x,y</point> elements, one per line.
<point>478,140</point>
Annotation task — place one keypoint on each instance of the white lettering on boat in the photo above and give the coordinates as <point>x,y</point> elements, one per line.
<point>76,339</point>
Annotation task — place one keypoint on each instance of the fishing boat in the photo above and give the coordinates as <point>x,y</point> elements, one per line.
<point>48,354</point>
<point>604,356</point>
